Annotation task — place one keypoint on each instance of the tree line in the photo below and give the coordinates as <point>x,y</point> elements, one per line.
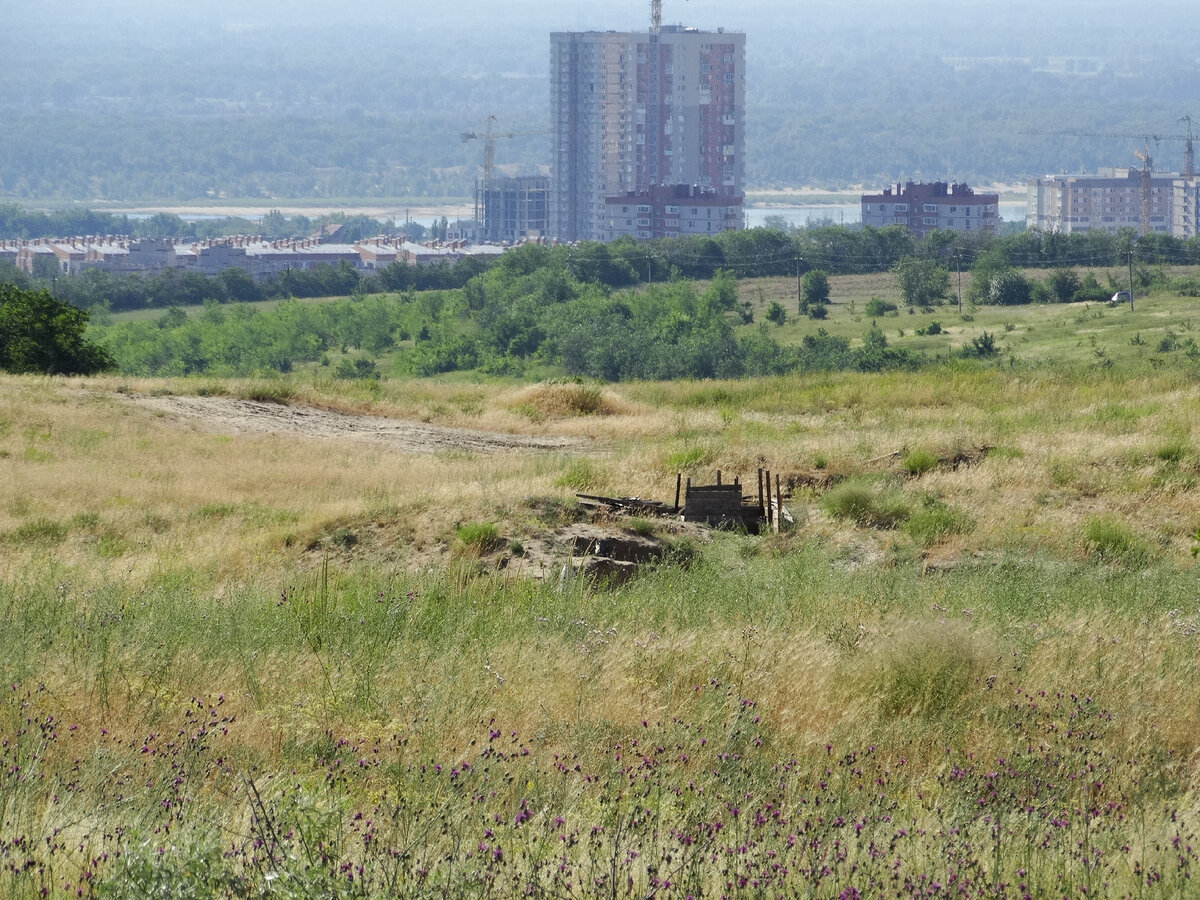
<point>752,253</point>
<point>18,223</point>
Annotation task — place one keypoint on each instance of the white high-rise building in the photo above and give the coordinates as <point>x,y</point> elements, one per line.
<point>632,111</point>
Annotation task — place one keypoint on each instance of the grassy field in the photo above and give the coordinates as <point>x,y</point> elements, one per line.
<point>251,664</point>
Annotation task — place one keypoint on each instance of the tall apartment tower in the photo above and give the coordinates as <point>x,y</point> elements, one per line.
<point>632,111</point>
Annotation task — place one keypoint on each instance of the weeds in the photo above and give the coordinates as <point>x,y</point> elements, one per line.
<point>582,474</point>
<point>933,521</point>
<point>864,504</point>
<point>917,462</point>
<point>1112,541</point>
<point>481,537</point>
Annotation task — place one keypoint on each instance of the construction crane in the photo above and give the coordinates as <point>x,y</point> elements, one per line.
<point>489,138</point>
<point>1189,159</point>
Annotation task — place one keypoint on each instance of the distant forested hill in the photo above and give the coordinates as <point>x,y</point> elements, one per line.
<point>136,100</point>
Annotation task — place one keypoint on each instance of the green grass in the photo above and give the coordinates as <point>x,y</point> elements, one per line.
<point>984,670</point>
<point>1078,334</point>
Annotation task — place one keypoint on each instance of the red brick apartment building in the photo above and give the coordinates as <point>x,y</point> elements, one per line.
<point>922,208</point>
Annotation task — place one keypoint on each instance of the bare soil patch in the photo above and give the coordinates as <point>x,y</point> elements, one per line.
<point>232,415</point>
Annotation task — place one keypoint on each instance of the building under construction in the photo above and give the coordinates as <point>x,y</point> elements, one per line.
<point>1120,198</point>
<point>515,209</point>
<point>1112,200</point>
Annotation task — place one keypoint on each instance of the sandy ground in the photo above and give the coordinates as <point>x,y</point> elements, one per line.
<point>230,415</point>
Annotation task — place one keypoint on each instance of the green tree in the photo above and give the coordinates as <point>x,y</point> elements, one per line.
<point>814,289</point>
<point>41,334</point>
<point>776,313</point>
<point>1063,285</point>
<point>922,282</point>
<point>1008,287</point>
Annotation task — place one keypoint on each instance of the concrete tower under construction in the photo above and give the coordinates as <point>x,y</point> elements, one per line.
<point>650,119</point>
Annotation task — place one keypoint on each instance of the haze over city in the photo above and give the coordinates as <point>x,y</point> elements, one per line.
<point>142,101</point>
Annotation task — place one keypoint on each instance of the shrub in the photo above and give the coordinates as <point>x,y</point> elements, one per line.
<point>933,521</point>
<point>1062,285</point>
<point>480,536</point>
<point>268,392</point>
<point>776,314</point>
<point>876,308</point>
<point>39,531</point>
<point>918,462</point>
<point>1009,288</point>
<point>1110,540</point>
<point>928,669</point>
<point>981,347</point>
<point>814,290</point>
<point>41,334</point>
<point>564,399</point>
<point>861,503</point>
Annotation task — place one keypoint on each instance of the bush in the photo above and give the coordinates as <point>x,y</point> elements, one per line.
<point>480,536</point>
<point>981,347</point>
<point>776,314</point>
<point>934,521</point>
<point>1062,285</point>
<point>876,308</point>
<point>861,503</point>
<point>1110,540</point>
<point>563,400</point>
<point>40,334</point>
<point>918,462</point>
<point>1009,288</point>
<point>814,289</point>
<point>928,669</point>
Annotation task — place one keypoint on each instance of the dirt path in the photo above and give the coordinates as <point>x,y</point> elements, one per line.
<point>234,416</point>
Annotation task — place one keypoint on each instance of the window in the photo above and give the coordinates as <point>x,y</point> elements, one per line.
<point>901,207</point>
<point>931,207</point>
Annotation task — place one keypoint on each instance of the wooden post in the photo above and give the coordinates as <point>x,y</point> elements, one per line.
<point>761,508</point>
<point>778,504</point>
<point>767,511</point>
<point>678,483</point>
<point>718,477</point>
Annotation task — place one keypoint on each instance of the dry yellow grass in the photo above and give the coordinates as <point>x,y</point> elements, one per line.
<point>132,488</point>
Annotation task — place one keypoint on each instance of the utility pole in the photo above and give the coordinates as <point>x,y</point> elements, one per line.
<point>1131,279</point>
<point>799,290</point>
<point>958,269</point>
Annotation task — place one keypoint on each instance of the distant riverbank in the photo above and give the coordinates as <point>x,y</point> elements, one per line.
<point>799,206</point>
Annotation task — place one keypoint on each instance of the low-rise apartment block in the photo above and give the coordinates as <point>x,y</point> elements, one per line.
<point>922,208</point>
<point>259,258</point>
<point>672,210</point>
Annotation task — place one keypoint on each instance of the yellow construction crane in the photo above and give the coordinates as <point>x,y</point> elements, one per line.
<point>1189,159</point>
<point>489,138</point>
